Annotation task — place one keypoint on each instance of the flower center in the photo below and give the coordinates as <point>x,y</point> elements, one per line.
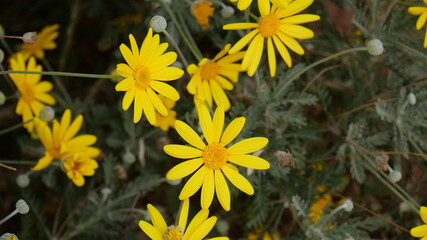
<point>202,11</point>
<point>142,77</point>
<point>27,92</point>
<point>173,233</point>
<point>215,156</point>
<point>209,71</point>
<point>269,25</point>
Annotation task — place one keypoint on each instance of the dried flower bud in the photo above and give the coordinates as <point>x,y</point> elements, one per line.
<point>285,159</point>
<point>23,180</point>
<point>29,37</point>
<point>375,47</point>
<point>2,98</point>
<point>227,11</point>
<point>174,182</point>
<point>158,24</point>
<point>381,162</point>
<point>412,99</point>
<point>22,206</point>
<point>47,113</point>
<point>1,56</point>
<point>9,236</point>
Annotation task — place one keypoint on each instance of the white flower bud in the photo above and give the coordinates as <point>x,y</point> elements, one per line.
<point>394,176</point>
<point>106,191</point>
<point>412,99</point>
<point>47,113</point>
<point>129,157</point>
<point>22,207</point>
<point>29,37</point>
<point>375,47</point>
<point>2,98</point>
<point>9,236</point>
<point>227,12</point>
<point>1,56</point>
<point>348,205</point>
<point>23,180</point>
<point>158,24</point>
<point>174,182</point>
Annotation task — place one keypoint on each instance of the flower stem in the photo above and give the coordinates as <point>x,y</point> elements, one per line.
<point>283,87</point>
<point>178,50</point>
<point>9,129</point>
<point>9,216</point>
<point>17,162</point>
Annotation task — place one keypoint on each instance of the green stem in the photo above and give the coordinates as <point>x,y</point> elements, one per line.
<point>181,32</point>
<point>406,3</point>
<point>9,81</point>
<point>278,92</point>
<point>17,162</point>
<point>64,74</point>
<point>178,50</point>
<point>9,129</point>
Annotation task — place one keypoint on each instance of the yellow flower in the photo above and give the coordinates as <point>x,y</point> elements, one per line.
<point>318,206</point>
<point>211,161</point>
<point>165,122</point>
<point>78,165</point>
<point>421,231</point>
<point>45,41</point>
<point>33,93</point>
<point>198,228</point>
<point>210,78</point>
<point>243,4</point>
<point>61,142</point>
<point>145,72</point>
<point>279,28</point>
<point>202,11</point>
<point>422,11</point>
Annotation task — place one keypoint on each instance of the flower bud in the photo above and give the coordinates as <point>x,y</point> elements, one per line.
<point>23,180</point>
<point>22,207</point>
<point>375,47</point>
<point>394,176</point>
<point>29,37</point>
<point>47,113</point>
<point>106,191</point>
<point>174,182</point>
<point>129,157</point>
<point>158,24</point>
<point>9,236</point>
<point>348,205</point>
<point>412,99</point>
<point>2,98</point>
<point>227,11</point>
<point>1,56</point>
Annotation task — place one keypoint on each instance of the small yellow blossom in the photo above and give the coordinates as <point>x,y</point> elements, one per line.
<point>421,231</point>
<point>202,11</point>
<point>78,165</point>
<point>198,228</point>
<point>165,122</point>
<point>422,11</point>
<point>210,162</point>
<point>146,71</point>
<point>33,93</point>
<point>45,41</point>
<point>211,77</point>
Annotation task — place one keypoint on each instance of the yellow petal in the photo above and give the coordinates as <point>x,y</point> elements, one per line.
<point>291,43</point>
<point>220,99</point>
<point>295,7</point>
<point>124,70</point>
<point>249,161</point>
<point>74,128</point>
<point>125,85</point>
<point>81,141</point>
<point>243,42</point>
<point>264,7</point>
<point>203,229</point>
<point>300,18</point>
<point>423,214</point>
<point>157,103</point>
<point>157,218</point>
<point>206,123</point>
<point>284,53</point>
<point>198,220</point>
<point>181,151</point>
<point>43,162</point>
<point>243,4</point>
<point>168,74</point>
<point>258,44</point>
<point>239,26</point>
<point>232,130</point>
<point>128,98</point>
<point>165,90</point>
<point>183,214</point>
<point>271,57</point>
<point>148,108</point>
<point>296,31</point>
<point>151,232</point>
<point>248,145</point>
<point>238,180</point>
<point>421,20</point>
<point>138,105</point>
<point>417,10</point>
<point>222,190</point>
<point>160,63</point>
<point>194,183</point>
<point>419,231</point>
<point>218,123</point>
<point>189,135</point>
<point>127,55</point>
<point>207,190</point>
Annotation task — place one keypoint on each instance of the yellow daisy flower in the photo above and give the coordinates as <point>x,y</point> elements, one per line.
<point>421,231</point>
<point>279,28</point>
<point>243,4</point>
<point>422,11</point>
<point>202,11</point>
<point>198,228</point>
<point>78,165</point>
<point>210,161</point>
<point>165,122</point>
<point>145,73</point>
<point>61,142</point>
<point>33,93</point>
<point>210,77</point>
<point>45,41</point>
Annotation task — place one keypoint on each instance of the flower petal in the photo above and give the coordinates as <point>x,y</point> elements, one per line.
<point>206,123</point>
<point>233,129</point>
<point>248,145</point>
<point>249,161</point>
<point>165,90</point>
<point>198,220</point>
<point>238,180</point>
<point>419,231</point>
<point>183,214</point>
<point>203,229</point>
<point>208,190</point>
<point>182,151</point>
<point>189,135</point>
<point>194,183</point>
<point>222,190</point>
<point>243,42</point>
<point>151,231</point>
<point>157,218</point>
<point>271,57</point>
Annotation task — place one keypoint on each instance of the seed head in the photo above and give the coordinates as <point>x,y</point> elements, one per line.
<point>375,47</point>
<point>22,206</point>
<point>158,24</point>
<point>47,113</point>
